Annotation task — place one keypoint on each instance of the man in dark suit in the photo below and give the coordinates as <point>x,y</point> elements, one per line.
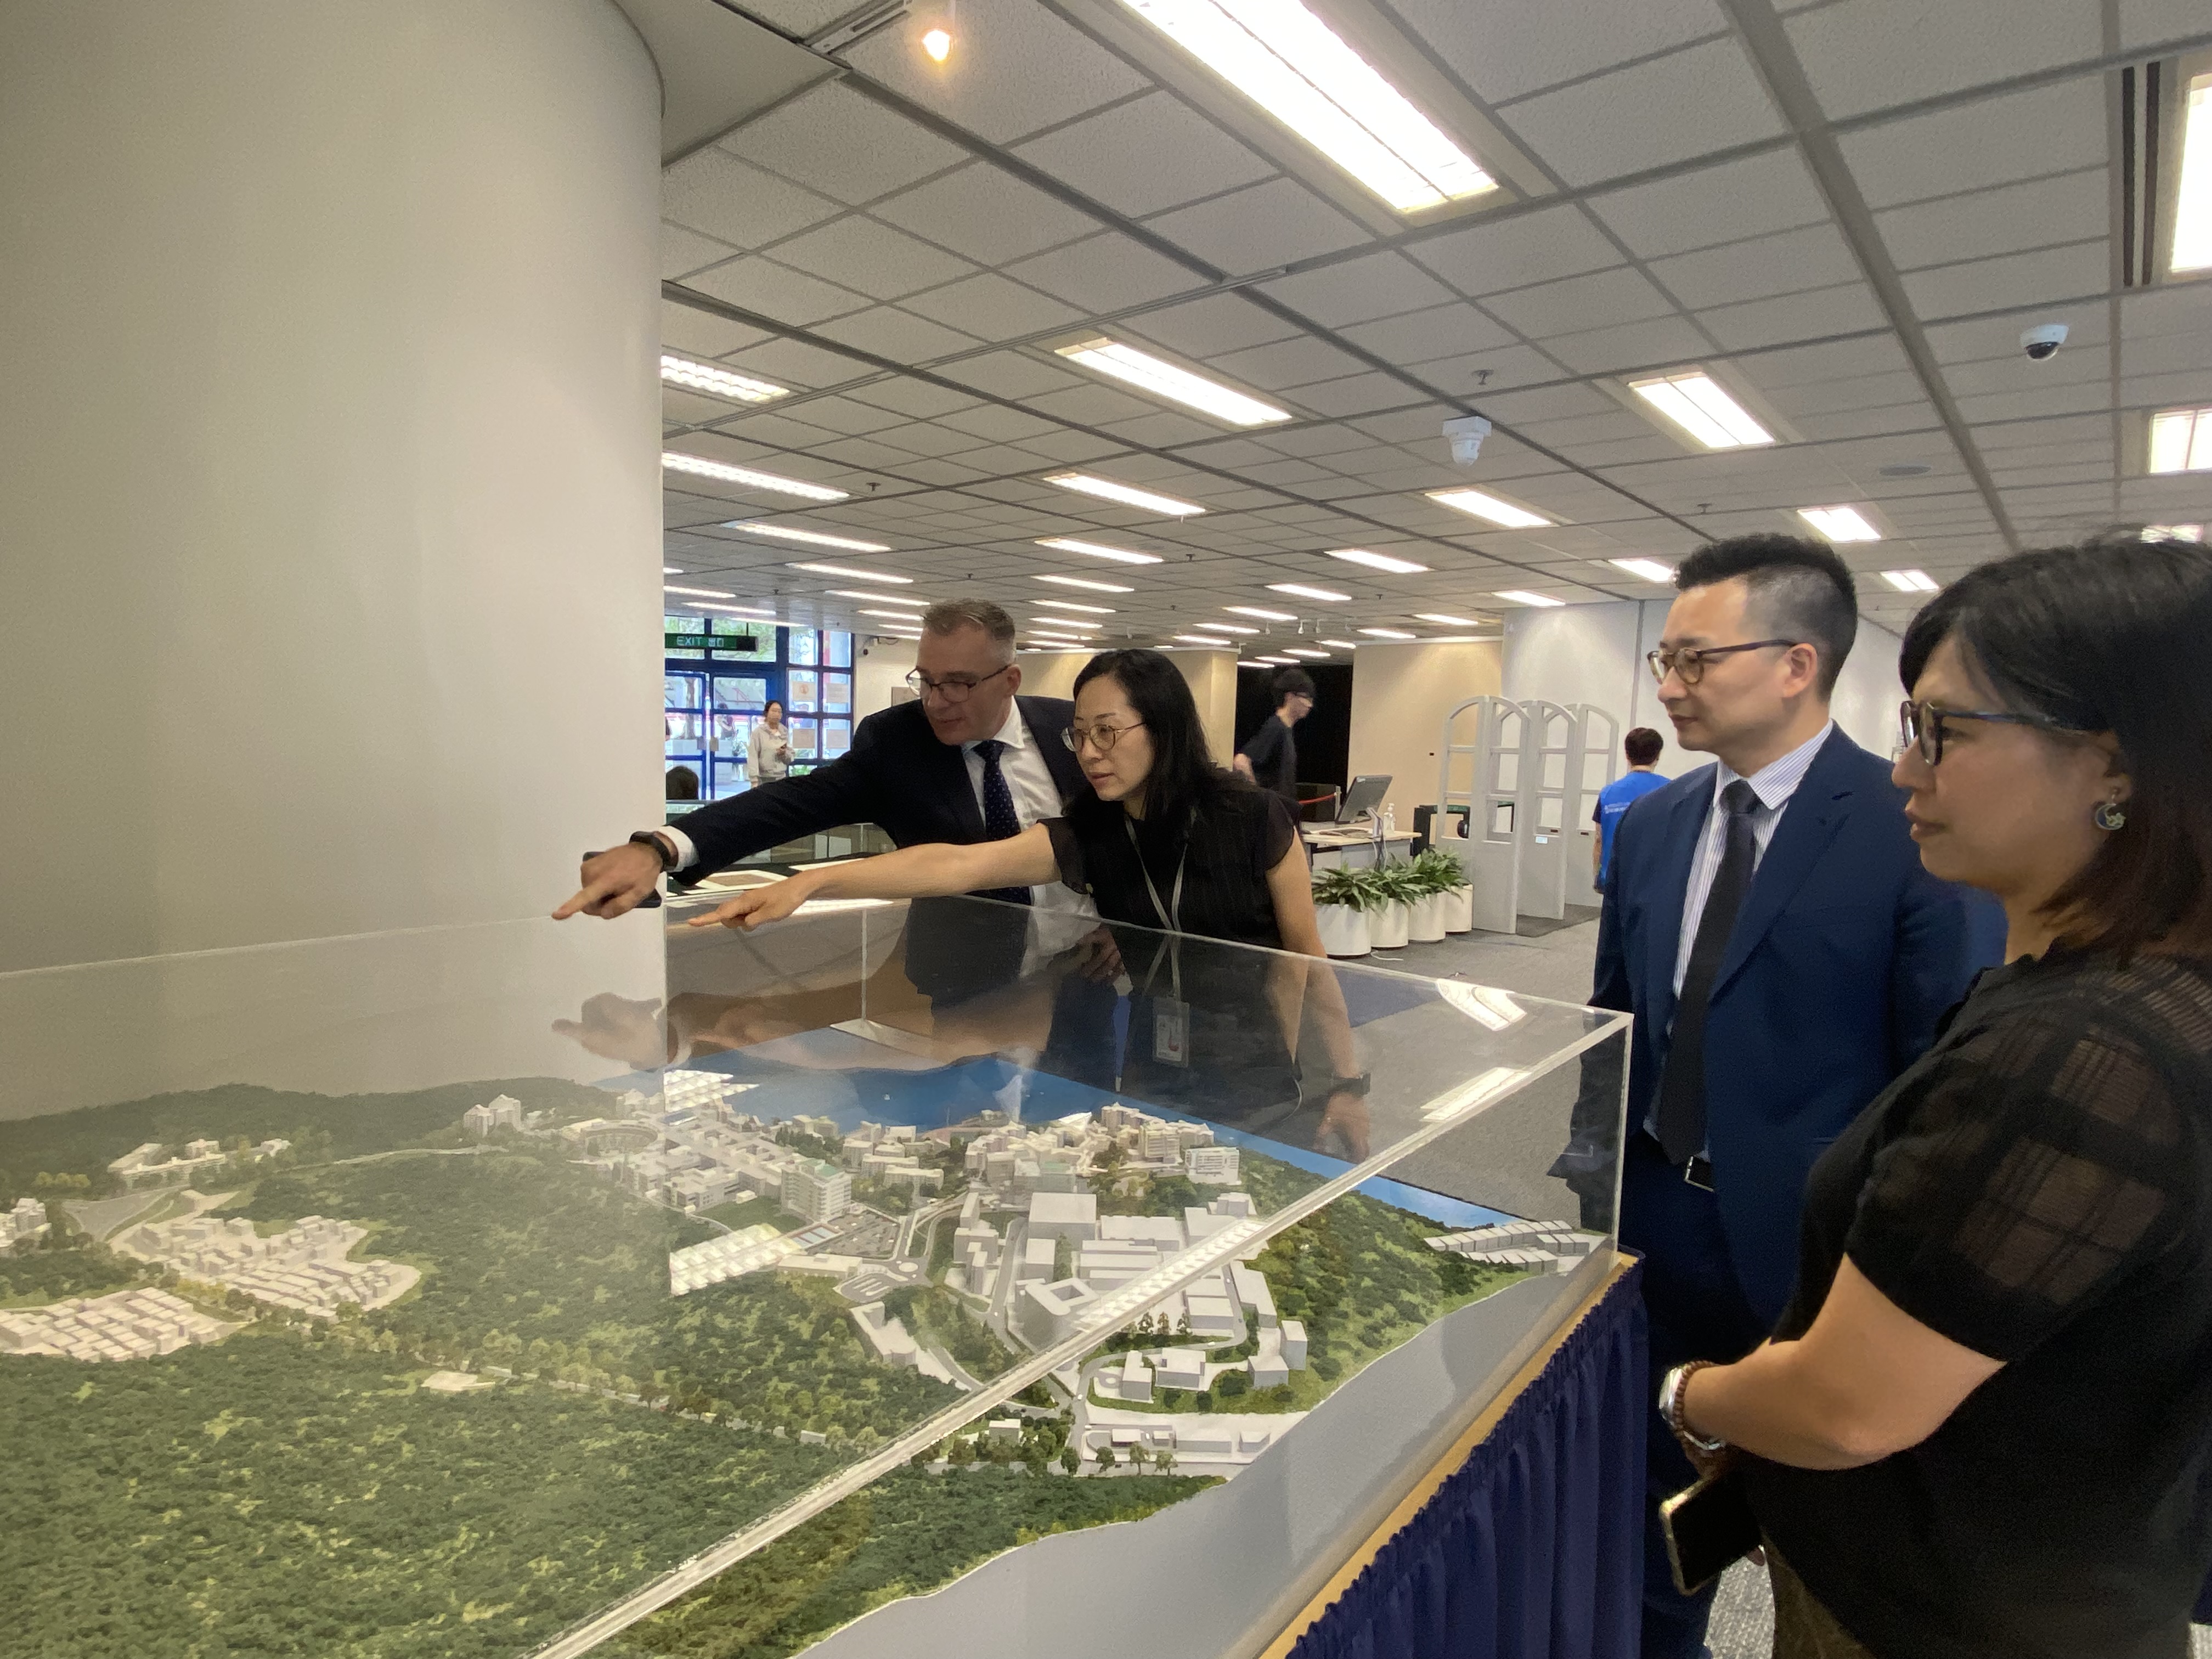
<point>1768,922</point>
<point>971,760</point>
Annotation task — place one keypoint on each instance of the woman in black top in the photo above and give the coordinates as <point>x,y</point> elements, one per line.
<point>1983,1429</point>
<point>1165,840</point>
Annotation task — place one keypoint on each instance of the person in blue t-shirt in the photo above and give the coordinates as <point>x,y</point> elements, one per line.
<point>1642,746</point>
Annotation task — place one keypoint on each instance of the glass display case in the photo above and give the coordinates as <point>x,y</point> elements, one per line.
<point>895,1238</point>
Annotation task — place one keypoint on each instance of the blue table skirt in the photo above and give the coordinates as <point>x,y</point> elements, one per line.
<point>1534,1548</point>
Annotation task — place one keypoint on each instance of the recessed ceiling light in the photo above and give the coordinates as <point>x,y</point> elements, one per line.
<point>1910,581</point>
<point>852,574</point>
<point>1295,67</point>
<point>1299,590</point>
<point>669,570</point>
<point>1071,624</point>
<point>1069,604</point>
<point>1263,615</point>
<point>1396,567</point>
<point>1389,634</point>
<point>1087,585</point>
<point>2181,440</point>
<point>703,593</point>
<point>1481,504</point>
<point>1840,524</point>
<point>814,537</point>
<point>1199,639</point>
<point>748,477</point>
<point>1224,627</point>
<point>1341,645</point>
<point>1247,662</point>
<point>871,594</point>
<point>1100,550</point>
<point>1521,596</point>
<point>1693,400</point>
<point>1440,616</point>
<point>895,616</point>
<point>1650,570</point>
<point>719,381</point>
<point>734,610</point>
<point>1128,495</point>
<point>1162,378</point>
<point>938,44</point>
<point>2174,532</point>
<point>1277,662</point>
<point>1295,651</point>
<point>2192,212</point>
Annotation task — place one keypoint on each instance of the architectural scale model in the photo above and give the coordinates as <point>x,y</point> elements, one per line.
<point>127,1325</point>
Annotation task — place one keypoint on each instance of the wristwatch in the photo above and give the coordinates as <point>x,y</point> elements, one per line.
<point>662,847</point>
<point>1352,1085</point>
<point>1671,1408</point>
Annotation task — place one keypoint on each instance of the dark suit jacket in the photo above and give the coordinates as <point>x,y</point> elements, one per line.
<point>1845,954</point>
<point>896,774</point>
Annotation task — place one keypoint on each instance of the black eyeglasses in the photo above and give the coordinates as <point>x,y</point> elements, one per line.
<point>1101,737</point>
<point>953,688</point>
<point>1687,662</point>
<point>1921,724</point>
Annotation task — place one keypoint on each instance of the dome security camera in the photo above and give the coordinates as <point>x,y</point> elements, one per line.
<point>2043,341</point>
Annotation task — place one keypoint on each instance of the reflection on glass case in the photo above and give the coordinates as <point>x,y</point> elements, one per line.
<point>897,1237</point>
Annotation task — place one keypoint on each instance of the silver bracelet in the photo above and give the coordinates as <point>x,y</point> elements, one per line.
<point>1670,1407</point>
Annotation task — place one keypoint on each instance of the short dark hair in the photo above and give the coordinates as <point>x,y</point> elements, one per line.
<point>2107,636</point>
<point>1183,778</point>
<point>1292,682</point>
<point>682,783</point>
<point>951,615</point>
<point>1798,587</point>
<point>1643,746</point>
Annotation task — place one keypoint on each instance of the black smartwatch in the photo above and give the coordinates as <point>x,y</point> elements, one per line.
<point>663,849</point>
<point>1352,1085</point>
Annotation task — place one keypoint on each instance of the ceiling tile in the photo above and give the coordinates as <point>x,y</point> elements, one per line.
<point>2011,279</point>
<point>878,261</point>
<point>888,331</point>
<point>1717,204</point>
<point>798,365</point>
<point>683,251</point>
<point>1863,55</point>
<point>1285,363</point>
<point>777,291</point>
<point>1090,404</point>
<point>992,308</point>
<point>842,143</point>
<point>701,333</point>
<point>2154,22</point>
<point>1503,51</point>
<point>715,192</point>
<point>1844,309</point>
<point>1260,227</point>
<point>2072,207</point>
<point>1687,104</point>
<point>1357,290</point>
<point>1105,272</point>
<point>1423,335</point>
<point>1478,373</point>
<point>1789,262</point>
<point>1993,140</point>
<point>908,397</point>
<point>1209,326</point>
<point>985,214</point>
<point>1574,302</point>
<point>1629,346</point>
<point>1018,68</point>
<point>848,416</point>
<point>1529,247</point>
<point>1146,155</point>
<point>1355,394</point>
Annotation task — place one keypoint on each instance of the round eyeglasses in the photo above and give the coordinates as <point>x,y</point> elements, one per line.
<point>953,688</point>
<point>1687,662</point>
<point>1921,724</point>
<point>1100,736</point>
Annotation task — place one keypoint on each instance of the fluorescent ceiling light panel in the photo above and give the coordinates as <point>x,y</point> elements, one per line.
<point>1342,644</point>
<point>2181,440</point>
<point>1693,401</point>
<point>1383,562</point>
<point>1066,624</point>
<point>1480,504</point>
<point>2174,532</point>
<point>1910,581</point>
<point>1086,585</point>
<point>852,574</point>
<point>1128,495</point>
<point>1650,570</point>
<point>1521,596</point>
<point>2192,212</point>
<point>1069,604</point>
<point>813,537</point>
<point>1299,590</point>
<point>873,593</point>
<point>1295,67</point>
<point>1100,550</point>
<point>1246,662</point>
<point>1293,651</point>
<point>718,381</point>
<point>1163,379</point>
<point>1224,627</point>
<point>1277,662</point>
<point>1389,634</point>
<point>748,477</point>
<point>669,570</point>
<point>1840,524</point>
<point>1440,616</point>
<point>734,610</point>
<point>1255,610</point>
<point>703,593</point>
<point>893,616</point>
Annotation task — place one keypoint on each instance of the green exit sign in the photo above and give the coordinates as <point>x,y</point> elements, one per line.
<point>684,641</point>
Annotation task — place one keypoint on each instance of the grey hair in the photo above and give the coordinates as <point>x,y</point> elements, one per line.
<point>951,615</point>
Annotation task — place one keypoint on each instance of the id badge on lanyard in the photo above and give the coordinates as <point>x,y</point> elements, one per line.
<point>1170,1014</point>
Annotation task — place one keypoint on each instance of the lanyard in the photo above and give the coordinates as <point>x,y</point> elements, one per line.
<point>1171,913</point>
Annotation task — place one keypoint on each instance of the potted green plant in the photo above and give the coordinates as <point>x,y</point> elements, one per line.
<point>1393,886</point>
<point>1342,903</point>
<point>1425,923</point>
<point>1454,894</point>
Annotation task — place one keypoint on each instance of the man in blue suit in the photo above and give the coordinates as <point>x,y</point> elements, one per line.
<point>1768,922</point>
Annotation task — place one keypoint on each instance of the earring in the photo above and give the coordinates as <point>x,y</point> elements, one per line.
<point>2110,815</point>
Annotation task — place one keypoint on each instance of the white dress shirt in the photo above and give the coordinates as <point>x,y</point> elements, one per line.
<point>1036,797</point>
<point>1774,784</point>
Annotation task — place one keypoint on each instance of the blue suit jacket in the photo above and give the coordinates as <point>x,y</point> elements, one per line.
<point>1845,954</point>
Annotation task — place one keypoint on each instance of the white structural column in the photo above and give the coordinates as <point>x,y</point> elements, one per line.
<point>329,536</point>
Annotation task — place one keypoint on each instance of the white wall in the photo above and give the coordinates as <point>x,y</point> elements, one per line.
<point>880,666</point>
<point>1400,695</point>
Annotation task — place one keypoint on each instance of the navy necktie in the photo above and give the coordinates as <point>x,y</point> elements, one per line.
<point>1000,821</point>
<point>1682,1085</point>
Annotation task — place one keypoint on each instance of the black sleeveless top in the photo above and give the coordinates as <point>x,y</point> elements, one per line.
<point>1226,852</point>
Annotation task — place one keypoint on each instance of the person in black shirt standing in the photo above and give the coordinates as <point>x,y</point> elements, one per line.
<point>1983,1428</point>
<point>1270,756</point>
